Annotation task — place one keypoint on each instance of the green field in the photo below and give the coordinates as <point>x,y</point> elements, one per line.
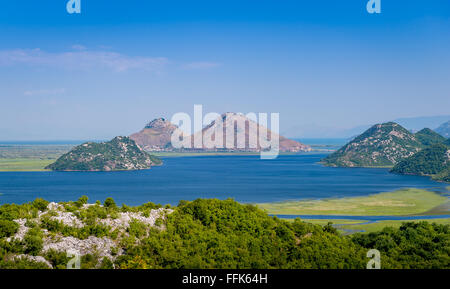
<point>344,225</point>
<point>398,203</point>
<point>17,151</point>
<point>23,165</point>
<point>29,158</point>
<point>374,227</point>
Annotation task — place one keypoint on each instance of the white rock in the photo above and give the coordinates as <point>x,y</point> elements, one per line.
<point>68,219</point>
<point>54,206</point>
<point>34,259</point>
<point>91,245</point>
<point>21,232</point>
<point>124,219</point>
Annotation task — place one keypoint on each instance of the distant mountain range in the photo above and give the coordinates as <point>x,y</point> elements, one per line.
<point>156,136</point>
<point>444,129</point>
<point>121,153</point>
<point>412,124</point>
<point>417,123</point>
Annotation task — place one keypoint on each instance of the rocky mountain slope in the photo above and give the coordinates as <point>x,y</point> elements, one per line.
<point>239,125</point>
<point>444,129</point>
<point>155,136</point>
<point>381,145</point>
<point>121,153</point>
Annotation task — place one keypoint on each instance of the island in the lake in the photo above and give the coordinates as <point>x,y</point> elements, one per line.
<point>156,136</point>
<point>119,154</point>
<point>425,153</point>
<point>382,145</point>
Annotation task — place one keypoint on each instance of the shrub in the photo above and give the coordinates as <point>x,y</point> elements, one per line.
<point>137,229</point>
<point>81,201</point>
<point>33,241</point>
<point>40,204</point>
<point>106,264</point>
<point>58,259</point>
<point>8,228</point>
<point>109,203</point>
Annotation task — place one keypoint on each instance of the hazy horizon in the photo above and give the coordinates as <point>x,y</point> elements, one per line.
<point>413,124</point>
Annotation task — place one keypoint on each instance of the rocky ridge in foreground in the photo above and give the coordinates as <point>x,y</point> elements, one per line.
<point>90,229</point>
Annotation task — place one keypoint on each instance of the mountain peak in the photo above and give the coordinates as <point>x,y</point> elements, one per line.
<point>242,125</point>
<point>159,123</point>
<point>429,137</point>
<point>156,135</point>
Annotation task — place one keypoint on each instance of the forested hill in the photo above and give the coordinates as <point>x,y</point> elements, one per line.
<point>121,153</point>
<point>429,137</point>
<point>432,161</point>
<point>381,145</point>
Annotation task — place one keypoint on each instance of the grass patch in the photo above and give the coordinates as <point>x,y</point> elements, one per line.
<point>374,227</point>
<point>23,165</point>
<point>397,203</point>
<point>42,152</point>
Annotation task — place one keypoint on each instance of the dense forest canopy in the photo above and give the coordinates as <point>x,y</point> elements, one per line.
<point>432,161</point>
<point>211,233</point>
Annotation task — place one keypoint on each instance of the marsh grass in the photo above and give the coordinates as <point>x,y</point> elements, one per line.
<point>378,226</point>
<point>397,203</point>
<point>23,165</point>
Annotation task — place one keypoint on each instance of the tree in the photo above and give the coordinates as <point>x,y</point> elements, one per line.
<point>8,228</point>
<point>109,203</point>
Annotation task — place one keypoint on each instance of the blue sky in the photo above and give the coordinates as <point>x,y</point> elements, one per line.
<point>323,65</point>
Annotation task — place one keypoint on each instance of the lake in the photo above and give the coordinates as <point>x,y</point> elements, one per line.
<point>244,178</point>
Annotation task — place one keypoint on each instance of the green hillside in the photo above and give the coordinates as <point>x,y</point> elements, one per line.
<point>431,161</point>
<point>121,153</point>
<point>429,137</point>
<point>382,145</point>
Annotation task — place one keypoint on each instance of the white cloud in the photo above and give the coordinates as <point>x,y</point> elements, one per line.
<point>55,91</point>
<point>200,65</point>
<point>79,47</point>
<point>81,59</point>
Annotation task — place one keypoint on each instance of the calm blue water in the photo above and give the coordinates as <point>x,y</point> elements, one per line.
<point>244,178</point>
